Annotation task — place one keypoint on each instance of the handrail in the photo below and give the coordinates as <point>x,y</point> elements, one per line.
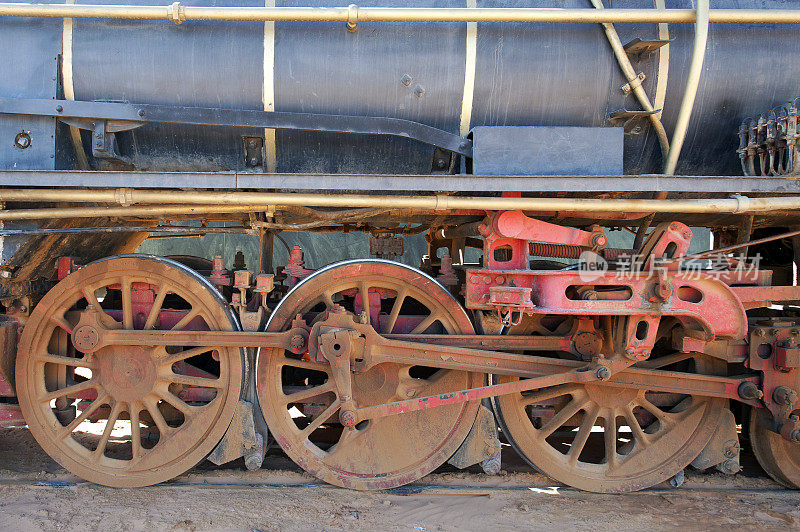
<point>179,13</point>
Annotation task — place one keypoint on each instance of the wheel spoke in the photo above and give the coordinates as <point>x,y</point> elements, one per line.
<point>158,418</point>
<point>62,322</point>
<point>639,435</point>
<point>327,297</point>
<point>69,390</point>
<point>97,403</point>
<point>427,322</point>
<point>136,431</point>
<point>548,393</point>
<point>363,290</point>
<point>307,393</point>
<point>127,305</point>
<point>176,402</point>
<point>112,419</point>
<point>584,431</point>
<point>188,380</point>
<point>192,314</point>
<point>563,415</point>
<point>92,301</point>
<point>610,438</point>
<point>66,361</point>
<point>156,308</point>
<point>388,327</point>
<point>319,420</point>
<point>659,414</point>
<point>172,358</point>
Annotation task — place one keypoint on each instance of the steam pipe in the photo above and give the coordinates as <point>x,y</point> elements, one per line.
<point>179,13</point>
<point>205,202</point>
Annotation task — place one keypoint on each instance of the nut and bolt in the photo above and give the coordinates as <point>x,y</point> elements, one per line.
<point>602,373</point>
<point>347,418</point>
<point>783,395</point>
<point>297,342</point>
<point>748,390</point>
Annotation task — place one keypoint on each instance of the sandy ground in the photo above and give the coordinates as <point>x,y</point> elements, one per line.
<point>37,494</point>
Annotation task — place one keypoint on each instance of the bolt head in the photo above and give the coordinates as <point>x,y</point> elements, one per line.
<point>348,418</point>
<point>602,373</point>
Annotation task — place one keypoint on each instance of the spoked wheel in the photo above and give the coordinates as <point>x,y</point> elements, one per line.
<point>128,416</point>
<point>298,396</point>
<point>779,457</point>
<point>607,439</point>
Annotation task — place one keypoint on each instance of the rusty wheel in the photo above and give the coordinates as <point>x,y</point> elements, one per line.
<point>298,396</point>
<point>128,416</point>
<point>606,439</point>
<point>779,457</point>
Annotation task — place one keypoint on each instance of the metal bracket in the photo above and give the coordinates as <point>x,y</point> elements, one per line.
<point>633,84</point>
<point>136,115</point>
<point>637,49</point>
<point>104,144</point>
<point>631,120</point>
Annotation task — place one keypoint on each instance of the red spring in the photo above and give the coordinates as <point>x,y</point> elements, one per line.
<point>559,251</point>
<point>567,251</point>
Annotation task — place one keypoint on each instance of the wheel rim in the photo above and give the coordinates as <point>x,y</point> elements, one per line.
<point>386,452</point>
<point>779,457</point>
<point>607,439</point>
<point>161,409</point>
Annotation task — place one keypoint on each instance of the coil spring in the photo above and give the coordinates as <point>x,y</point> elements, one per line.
<point>567,251</point>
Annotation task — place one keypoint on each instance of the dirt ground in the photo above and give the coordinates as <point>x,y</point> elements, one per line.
<point>37,494</point>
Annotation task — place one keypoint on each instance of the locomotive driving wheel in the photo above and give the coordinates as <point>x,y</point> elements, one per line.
<point>298,396</point>
<point>128,416</point>
<point>779,457</point>
<point>608,439</point>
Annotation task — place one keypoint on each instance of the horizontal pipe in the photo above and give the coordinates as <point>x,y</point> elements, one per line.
<point>145,211</point>
<point>169,230</point>
<point>394,14</point>
<point>219,201</point>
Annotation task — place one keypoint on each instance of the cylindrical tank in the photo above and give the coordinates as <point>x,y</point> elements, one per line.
<point>524,74</point>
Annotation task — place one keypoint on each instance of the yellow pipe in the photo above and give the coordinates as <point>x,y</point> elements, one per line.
<point>240,201</point>
<point>145,211</point>
<point>631,77</point>
<point>180,13</point>
<point>692,83</point>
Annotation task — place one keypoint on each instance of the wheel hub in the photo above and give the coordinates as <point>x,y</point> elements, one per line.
<point>127,373</point>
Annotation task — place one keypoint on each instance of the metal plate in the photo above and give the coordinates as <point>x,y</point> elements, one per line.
<point>547,150</point>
